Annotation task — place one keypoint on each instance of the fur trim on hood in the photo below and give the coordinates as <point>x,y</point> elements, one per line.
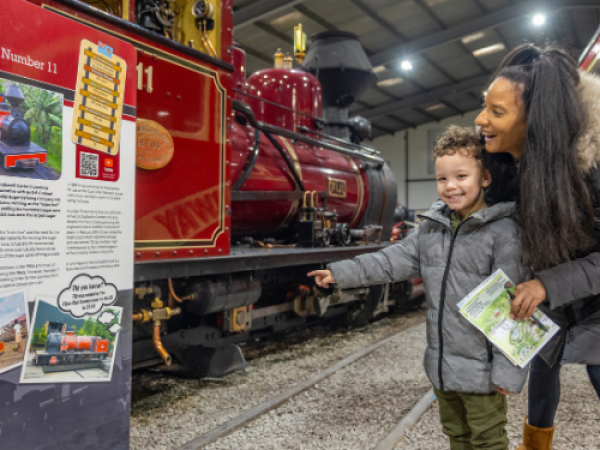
<point>588,144</point>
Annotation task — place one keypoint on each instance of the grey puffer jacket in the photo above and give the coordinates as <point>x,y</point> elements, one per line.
<point>458,356</point>
<point>573,288</point>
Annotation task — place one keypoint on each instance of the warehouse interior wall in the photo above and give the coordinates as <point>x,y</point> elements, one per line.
<point>420,190</point>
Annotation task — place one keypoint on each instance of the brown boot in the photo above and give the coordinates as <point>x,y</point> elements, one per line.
<point>536,438</point>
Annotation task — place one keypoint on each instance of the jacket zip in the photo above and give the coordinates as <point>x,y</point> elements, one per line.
<point>490,351</point>
<point>441,305</point>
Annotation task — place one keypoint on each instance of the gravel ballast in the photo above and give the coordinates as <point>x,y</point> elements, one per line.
<point>168,412</point>
<point>353,409</point>
<point>577,418</point>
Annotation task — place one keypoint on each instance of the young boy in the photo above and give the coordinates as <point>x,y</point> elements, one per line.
<point>459,243</point>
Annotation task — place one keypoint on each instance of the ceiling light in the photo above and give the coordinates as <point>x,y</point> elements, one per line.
<point>539,20</point>
<point>379,69</point>
<point>473,37</point>
<point>435,107</point>
<point>489,50</point>
<point>406,65</point>
<point>390,82</point>
<point>292,17</point>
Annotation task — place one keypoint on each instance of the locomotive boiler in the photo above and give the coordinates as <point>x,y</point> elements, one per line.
<point>245,183</point>
<point>65,351</point>
<point>16,148</point>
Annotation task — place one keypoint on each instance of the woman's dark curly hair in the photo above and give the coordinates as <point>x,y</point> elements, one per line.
<point>553,197</point>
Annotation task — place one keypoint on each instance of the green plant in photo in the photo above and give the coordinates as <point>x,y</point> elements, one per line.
<point>43,110</point>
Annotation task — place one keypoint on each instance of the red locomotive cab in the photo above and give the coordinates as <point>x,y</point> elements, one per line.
<point>101,346</point>
<point>287,98</point>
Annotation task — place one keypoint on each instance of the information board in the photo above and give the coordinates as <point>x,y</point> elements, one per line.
<point>67,167</point>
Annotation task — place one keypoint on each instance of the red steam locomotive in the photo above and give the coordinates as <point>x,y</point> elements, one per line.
<point>244,183</point>
<point>16,148</point>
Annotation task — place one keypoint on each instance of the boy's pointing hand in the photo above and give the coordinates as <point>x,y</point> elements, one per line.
<point>323,278</point>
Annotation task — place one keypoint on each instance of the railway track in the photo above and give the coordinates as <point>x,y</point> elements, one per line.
<point>366,393</point>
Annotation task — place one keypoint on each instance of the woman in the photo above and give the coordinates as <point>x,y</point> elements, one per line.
<point>546,114</point>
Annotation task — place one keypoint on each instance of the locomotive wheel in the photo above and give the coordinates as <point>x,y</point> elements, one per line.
<point>345,236</point>
<point>363,312</point>
<point>325,238</point>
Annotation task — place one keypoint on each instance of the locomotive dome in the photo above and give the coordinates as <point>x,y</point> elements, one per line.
<point>287,98</point>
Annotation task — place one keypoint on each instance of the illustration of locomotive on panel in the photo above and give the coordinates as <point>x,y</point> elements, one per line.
<point>16,148</point>
<point>244,184</point>
<point>63,349</point>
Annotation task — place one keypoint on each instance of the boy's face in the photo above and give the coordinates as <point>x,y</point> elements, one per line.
<point>460,182</point>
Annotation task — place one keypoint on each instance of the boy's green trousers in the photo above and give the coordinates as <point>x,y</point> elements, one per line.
<point>473,421</point>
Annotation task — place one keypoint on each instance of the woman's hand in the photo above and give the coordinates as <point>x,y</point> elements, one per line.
<point>527,297</point>
<point>503,391</point>
<point>323,278</point>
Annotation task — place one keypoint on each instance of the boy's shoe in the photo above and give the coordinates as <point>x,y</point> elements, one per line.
<point>535,438</point>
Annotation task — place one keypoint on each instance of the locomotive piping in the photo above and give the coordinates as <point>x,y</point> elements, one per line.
<point>286,158</point>
<point>266,128</point>
<point>240,182</point>
<point>158,344</point>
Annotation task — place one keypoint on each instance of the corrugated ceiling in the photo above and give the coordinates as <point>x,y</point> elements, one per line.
<point>452,45</point>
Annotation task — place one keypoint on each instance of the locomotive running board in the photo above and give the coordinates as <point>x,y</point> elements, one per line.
<point>241,260</point>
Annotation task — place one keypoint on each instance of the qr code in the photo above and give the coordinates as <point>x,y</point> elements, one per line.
<point>88,165</point>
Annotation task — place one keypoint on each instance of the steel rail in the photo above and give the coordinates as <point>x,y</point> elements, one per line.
<point>262,408</point>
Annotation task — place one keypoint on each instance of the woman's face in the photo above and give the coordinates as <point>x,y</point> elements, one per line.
<point>503,121</point>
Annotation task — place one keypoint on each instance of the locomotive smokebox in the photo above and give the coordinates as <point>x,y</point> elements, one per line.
<point>13,129</point>
<point>339,62</point>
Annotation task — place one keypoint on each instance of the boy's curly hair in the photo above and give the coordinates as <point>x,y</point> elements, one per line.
<point>463,139</point>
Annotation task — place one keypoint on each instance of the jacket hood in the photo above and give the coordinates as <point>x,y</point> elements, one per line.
<point>440,212</point>
<point>588,143</point>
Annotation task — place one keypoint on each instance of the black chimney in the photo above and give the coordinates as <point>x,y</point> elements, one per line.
<point>339,62</point>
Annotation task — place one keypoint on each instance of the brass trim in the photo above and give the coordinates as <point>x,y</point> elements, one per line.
<point>336,188</point>
<point>360,185</point>
<point>295,203</point>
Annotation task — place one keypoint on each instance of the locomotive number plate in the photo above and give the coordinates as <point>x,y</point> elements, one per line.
<point>336,188</point>
<point>154,145</point>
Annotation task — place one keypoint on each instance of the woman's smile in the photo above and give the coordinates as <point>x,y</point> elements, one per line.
<point>503,121</point>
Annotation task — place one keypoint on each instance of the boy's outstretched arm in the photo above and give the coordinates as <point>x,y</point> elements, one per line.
<point>398,262</point>
<point>323,278</point>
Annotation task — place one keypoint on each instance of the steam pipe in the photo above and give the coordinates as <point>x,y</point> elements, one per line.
<point>158,344</point>
<point>267,128</point>
<point>286,159</point>
<point>240,182</point>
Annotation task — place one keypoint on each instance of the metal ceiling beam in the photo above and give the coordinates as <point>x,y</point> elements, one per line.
<point>274,32</point>
<point>433,95</point>
<point>394,32</point>
<point>405,123</point>
<point>452,107</point>
<point>315,17</point>
<point>259,10</point>
<point>258,55</point>
<point>442,26</point>
<point>478,24</point>
<point>379,127</point>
